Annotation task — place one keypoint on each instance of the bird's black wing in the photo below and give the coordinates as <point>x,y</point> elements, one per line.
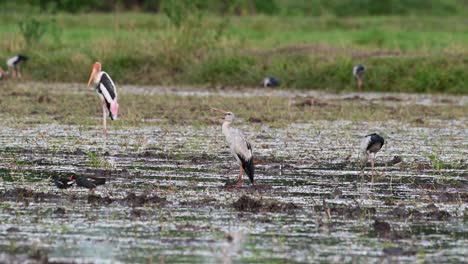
<point>109,85</point>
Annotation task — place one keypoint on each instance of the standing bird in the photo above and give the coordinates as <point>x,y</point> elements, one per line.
<point>358,72</point>
<point>106,90</point>
<point>240,148</point>
<point>88,182</point>
<point>14,64</point>
<point>270,82</point>
<point>370,145</point>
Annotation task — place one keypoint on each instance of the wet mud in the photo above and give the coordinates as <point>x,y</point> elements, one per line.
<point>172,199</point>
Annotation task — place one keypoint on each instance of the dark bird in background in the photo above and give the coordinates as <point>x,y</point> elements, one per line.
<point>88,182</point>
<point>270,82</point>
<point>14,64</point>
<point>63,183</point>
<point>358,72</point>
<point>370,145</point>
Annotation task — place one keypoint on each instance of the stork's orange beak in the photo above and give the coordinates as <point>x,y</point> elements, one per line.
<point>96,69</point>
<point>91,78</point>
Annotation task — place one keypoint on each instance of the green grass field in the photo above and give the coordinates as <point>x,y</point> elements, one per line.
<point>402,53</point>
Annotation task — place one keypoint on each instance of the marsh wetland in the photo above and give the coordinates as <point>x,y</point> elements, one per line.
<point>169,196</point>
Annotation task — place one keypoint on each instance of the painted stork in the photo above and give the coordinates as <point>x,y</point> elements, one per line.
<point>88,182</point>
<point>240,148</point>
<point>106,90</point>
<point>370,145</point>
<point>14,64</point>
<point>270,82</point>
<point>358,72</point>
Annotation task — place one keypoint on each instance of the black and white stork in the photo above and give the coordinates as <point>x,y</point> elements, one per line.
<point>370,145</point>
<point>107,91</point>
<point>358,72</point>
<point>240,148</point>
<point>270,82</point>
<point>14,64</point>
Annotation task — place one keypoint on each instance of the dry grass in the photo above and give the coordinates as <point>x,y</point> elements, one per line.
<point>72,106</point>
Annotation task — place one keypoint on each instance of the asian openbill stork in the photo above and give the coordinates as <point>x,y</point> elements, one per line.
<point>358,72</point>
<point>270,82</point>
<point>240,148</point>
<point>14,64</point>
<point>106,90</point>
<point>370,145</point>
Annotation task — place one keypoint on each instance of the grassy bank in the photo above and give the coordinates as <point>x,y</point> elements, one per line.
<point>410,54</point>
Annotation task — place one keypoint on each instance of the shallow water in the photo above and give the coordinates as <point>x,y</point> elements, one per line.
<point>311,165</point>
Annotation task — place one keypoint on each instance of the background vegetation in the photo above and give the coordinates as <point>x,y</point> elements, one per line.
<point>407,45</point>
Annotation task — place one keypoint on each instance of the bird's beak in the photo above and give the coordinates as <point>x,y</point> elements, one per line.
<point>91,78</point>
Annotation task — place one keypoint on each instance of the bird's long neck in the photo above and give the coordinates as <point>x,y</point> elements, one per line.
<point>97,77</point>
<point>226,130</point>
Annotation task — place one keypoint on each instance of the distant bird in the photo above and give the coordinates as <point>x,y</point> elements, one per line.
<point>63,183</point>
<point>88,182</point>
<point>270,82</point>
<point>106,90</point>
<point>358,72</point>
<point>240,148</point>
<point>14,64</point>
<point>370,145</point>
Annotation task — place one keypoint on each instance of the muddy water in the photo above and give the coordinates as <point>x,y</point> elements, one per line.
<point>310,203</point>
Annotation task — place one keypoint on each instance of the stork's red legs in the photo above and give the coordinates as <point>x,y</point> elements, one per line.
<point>104,117</point>
<point>239,179</point>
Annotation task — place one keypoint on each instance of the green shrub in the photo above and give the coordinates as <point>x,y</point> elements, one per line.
<point>32,30</point>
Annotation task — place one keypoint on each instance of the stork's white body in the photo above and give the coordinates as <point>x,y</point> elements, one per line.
<point>239,147</point>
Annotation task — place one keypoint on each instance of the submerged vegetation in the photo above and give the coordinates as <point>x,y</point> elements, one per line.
<point>186,44</point>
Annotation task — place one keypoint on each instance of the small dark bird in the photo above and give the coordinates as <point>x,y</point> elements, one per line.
<point>14,64</point>
<point>370,145</point>
<point>88,182</point>
<point>63,183</point>
<point>358,72</point>
<point>270,82</point>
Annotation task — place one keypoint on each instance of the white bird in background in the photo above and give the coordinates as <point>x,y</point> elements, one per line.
<point>106,90</point>
<point>370,145</point>
<point>240,148</point>
<point>14,64</point>
<point>358,72</point>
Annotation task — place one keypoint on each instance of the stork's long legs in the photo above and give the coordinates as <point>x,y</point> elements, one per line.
<point>239,179</point>
<point>104,117</point>
<point>372,164</point>
<point>359,84</point>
